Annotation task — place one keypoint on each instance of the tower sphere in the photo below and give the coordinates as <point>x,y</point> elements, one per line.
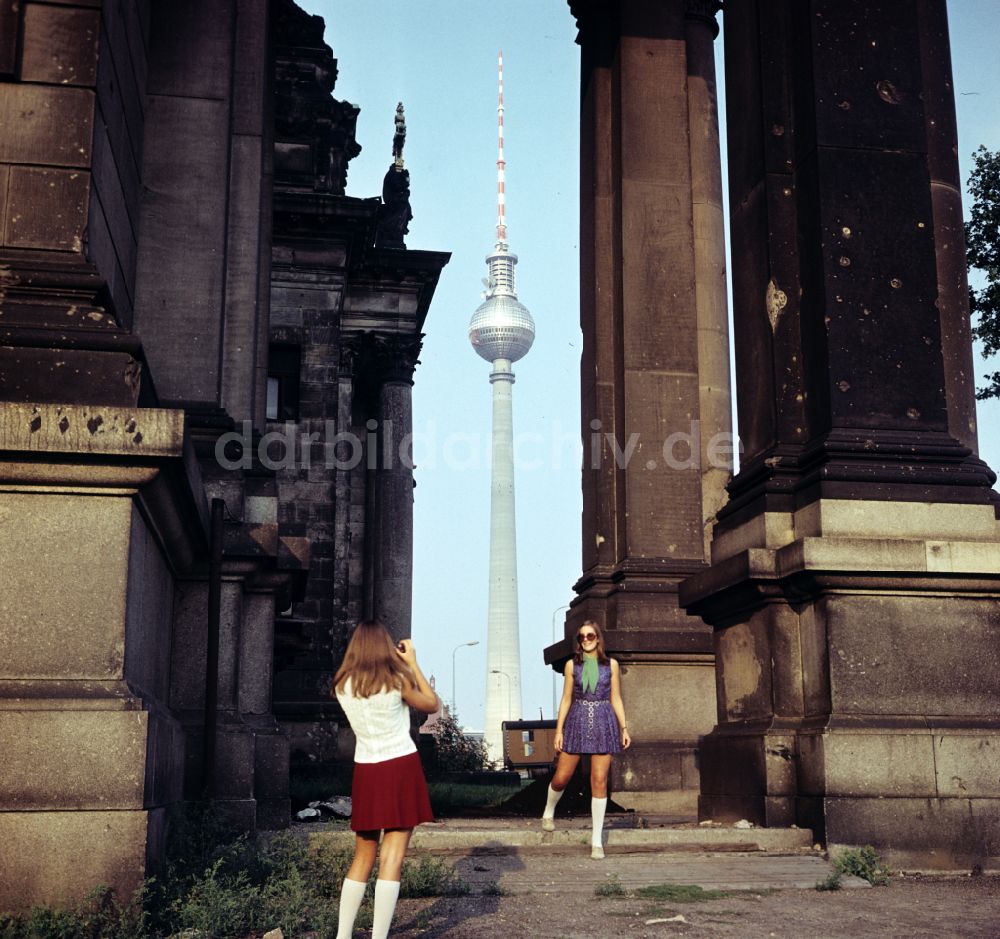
<point>502,328</point>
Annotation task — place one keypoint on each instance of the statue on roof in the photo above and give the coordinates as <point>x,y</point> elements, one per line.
<point>395,215</point>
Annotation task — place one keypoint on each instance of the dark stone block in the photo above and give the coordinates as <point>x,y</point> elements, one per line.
<point>59,45</point>
<point>46,208</point>
<point>55,125</point>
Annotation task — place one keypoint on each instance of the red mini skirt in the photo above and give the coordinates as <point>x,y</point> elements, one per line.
<point>390,794</point>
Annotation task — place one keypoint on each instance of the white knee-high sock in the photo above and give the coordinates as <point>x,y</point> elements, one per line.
<point>386,894</point>
<point>597,808</point>
<point>351,895</point>
<point>551,802</point>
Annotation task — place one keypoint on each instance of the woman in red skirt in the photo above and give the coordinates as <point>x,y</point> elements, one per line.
<point>376,686</point>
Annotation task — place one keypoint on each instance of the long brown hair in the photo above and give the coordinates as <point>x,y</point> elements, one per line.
<point>371,662</point>
<point>602,656</point>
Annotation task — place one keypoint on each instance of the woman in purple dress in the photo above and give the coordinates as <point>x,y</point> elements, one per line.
<point>591,720</point>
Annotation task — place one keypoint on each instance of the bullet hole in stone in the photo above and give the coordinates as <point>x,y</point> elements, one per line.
<point>36,424</point>
<point>777,130</point>
<point>888,92</point>
<point>130,425</point>
<point>844,385</point>
<point>921,225</point>
<point>786,191</point>
<point>866,311</point>
<point>844,105</point>
<point>63,424</point>
<point>137,438</point>
<point>895,283</point>
<point>846,232</point>
<point>913,414</point>
<point>844,261</point>
<point>927,340</point>
<point>94,423</point>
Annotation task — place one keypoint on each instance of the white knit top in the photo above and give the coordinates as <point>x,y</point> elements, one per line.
<point>381,724</point>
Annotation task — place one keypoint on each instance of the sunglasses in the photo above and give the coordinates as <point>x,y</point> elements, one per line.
<point>586,637</point>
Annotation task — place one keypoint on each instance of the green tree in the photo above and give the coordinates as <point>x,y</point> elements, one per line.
<point>982,244</point>
<point>457,752</point>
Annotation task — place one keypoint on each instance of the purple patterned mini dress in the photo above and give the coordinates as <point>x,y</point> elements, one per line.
<point>591,725</point>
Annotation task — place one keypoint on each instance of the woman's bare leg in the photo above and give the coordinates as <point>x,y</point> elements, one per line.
<point>365,849</point>
<point>390,868</point>
<point>352,891</point>
<point>565,767</point>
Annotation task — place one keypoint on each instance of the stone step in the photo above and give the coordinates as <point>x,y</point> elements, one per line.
<point>501,836</point>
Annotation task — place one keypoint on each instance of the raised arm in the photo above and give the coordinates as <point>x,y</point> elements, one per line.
<point>618,705</point>
<point>564,703</point>
<point>419,695</point>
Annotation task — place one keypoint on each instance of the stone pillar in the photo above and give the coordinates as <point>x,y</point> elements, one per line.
<point>654,373</point>
<point>96,515</point>
<point>395,358</point>
<point>855,580</point>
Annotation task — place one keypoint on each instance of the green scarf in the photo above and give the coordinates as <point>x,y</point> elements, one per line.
<point>589,675</point>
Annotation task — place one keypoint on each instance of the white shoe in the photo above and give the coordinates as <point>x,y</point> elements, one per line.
<point>597,852</point>
<point>548,824</point>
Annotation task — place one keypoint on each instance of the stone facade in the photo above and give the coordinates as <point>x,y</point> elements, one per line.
<point>145,545</point>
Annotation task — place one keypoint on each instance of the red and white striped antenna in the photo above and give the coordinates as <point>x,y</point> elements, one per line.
<point>501,218</point>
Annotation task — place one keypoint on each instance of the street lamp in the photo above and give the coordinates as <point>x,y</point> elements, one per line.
<point>565,606</point>
<point>496,671</point>
<point>461,645</point>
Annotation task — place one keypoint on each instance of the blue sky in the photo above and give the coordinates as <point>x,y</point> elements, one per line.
<point>439,58</point>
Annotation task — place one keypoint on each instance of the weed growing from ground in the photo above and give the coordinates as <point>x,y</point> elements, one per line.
<point>833,882</point>
<point>610,888</point>
<point>864,863</point>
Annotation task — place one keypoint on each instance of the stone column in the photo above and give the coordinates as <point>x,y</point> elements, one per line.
<point>855,578</point>
<point>654,372</point>
<point>395,359</point>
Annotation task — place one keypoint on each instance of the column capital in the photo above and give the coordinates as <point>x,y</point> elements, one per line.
<point>704,11</point>
<point>389,358</point>
<point>396,357</point>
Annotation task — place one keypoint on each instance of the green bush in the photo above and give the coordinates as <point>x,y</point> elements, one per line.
<point>863,863</point>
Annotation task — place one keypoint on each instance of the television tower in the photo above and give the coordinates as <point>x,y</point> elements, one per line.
<point>502,332</point>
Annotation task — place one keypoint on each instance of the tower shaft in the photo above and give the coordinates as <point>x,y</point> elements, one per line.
<point>503,655</point>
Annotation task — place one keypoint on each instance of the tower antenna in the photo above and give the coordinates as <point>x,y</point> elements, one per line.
<point>501,164</point>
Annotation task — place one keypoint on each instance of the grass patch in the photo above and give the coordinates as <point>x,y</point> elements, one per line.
<point>431,877</point>
<point>864,863</point>
<point>680,893</point>
<point>452,798</point>
<point>217,885</point>
<point>610,888</point>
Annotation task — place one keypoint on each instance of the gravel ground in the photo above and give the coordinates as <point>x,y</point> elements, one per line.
<point>910,907</point>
